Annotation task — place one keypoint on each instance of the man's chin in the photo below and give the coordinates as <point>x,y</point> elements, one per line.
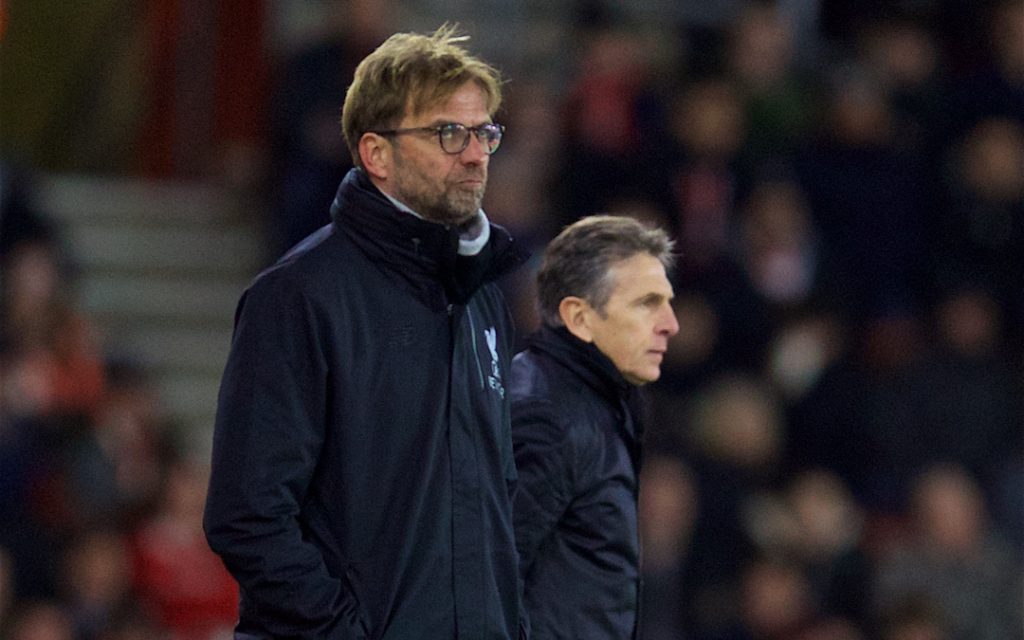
<point>450,218</point>
<point>455,214</point>
<point>640,380</point>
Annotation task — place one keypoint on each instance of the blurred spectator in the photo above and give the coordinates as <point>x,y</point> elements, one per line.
<point>775,600</point>
<point>981,227</point>
<point>779,250</point>
<point>706,347</point>
<point>690,352</point>
<point>30,546</point>
<point>706,128</point>
<point>117,467</point>
<point>6,586</point>
<point>866,197</point>
<point>705,176</point>
<point>913,619</point>
<point>51,383</point>
<point>50,347</point>
<point>903,56</point>
<point>817,525</point>
<point>180,581</point>
<point>667,511</point>
<point>905,397</point>
<point>40,620</point>
<point>954,558</point>
<point>79,446</point>
<point>853,401</point>
<point>992,86</point>
<point>1008,499</point>
<point>309,155</point>
<point>972,411</point>
<point>20,219</point>
<point>735,433</point>
<point>519,192</point>
<point>776,95</point>
<point>96,581</point>
<point>610,121</point>
<point>804,348</point>
<point>890,424</point>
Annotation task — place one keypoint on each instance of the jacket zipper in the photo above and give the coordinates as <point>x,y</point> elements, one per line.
<point>472,340</point>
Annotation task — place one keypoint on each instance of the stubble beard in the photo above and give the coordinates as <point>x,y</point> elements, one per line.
<point>451,205</point>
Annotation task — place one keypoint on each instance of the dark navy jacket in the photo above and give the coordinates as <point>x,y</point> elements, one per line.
<point>576,432</point>
<point>362,461</point>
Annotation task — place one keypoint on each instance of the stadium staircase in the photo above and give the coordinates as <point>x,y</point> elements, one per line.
<point>159,268</point>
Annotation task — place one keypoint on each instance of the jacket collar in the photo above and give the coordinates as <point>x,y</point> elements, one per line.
<point>598,372</point>
<point>423,254</point>
<point>584,359</point>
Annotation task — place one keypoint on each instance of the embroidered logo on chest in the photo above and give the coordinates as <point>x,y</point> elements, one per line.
<point>494,378</point>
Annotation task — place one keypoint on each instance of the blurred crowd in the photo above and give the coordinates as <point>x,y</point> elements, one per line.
<point>100,502</point>
<point>835,450</point>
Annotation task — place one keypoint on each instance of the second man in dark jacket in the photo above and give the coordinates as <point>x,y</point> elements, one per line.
<point>605,303</point>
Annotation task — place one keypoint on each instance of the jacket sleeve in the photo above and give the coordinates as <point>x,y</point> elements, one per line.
<point>269,431</point>
<point>545,486</point>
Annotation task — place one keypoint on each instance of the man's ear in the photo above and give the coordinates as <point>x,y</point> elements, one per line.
<point>575,314</point>
<point>375,152</point>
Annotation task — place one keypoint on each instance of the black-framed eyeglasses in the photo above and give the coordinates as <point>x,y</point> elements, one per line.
<point>454,137</point>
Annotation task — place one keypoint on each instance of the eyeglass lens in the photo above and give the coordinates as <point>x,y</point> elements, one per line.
<point>455,137</point>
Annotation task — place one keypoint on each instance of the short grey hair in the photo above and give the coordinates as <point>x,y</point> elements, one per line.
<point>577,261</point>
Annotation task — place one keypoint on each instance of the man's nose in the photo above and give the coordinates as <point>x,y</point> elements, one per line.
<point>669,324</point>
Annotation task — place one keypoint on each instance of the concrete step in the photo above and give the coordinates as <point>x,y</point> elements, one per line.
<point>185,365</point>
<point>177,299</point>
<point>113,245</point>
<point>191,399</point>
<point>161,266</point>
<point>74,198</point>
<point>176,350</point>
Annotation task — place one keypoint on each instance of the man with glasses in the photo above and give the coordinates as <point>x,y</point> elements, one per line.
<point>362,458</point>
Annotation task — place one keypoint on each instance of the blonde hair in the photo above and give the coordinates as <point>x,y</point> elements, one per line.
<point>412,72</point>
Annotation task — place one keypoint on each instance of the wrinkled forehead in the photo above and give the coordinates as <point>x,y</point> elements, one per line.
<point>639,273</point>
